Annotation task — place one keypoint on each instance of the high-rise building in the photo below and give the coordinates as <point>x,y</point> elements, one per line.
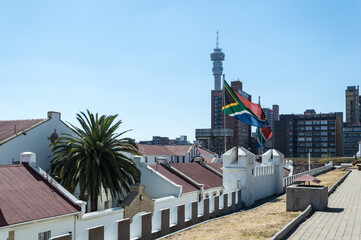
<point>234,133</point>
<point>353,102</point>
<point>318,134</point>
<point>351,139</point>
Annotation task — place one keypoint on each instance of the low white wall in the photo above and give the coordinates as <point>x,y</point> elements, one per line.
<point>264,181</point>
<point>289,180</point>
<point>108,218</point>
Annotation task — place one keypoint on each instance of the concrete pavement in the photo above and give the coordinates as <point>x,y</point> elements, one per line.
<point>342,219</point>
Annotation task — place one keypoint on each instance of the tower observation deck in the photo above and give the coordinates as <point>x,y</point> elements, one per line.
<point>217,57</point>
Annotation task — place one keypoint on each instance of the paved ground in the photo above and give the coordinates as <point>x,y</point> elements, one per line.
<point>342,220</point>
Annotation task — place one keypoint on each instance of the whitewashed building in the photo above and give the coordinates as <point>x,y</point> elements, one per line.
<point>175,153</point>
<point>31,135</point>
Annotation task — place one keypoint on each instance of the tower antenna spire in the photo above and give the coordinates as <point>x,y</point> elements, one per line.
<point>217,41</point>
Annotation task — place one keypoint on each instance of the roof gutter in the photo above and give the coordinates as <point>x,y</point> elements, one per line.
<point>39,220</point>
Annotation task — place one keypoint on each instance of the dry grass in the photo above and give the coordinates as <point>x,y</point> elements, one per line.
<point>330,178</point>
<point>260,223</point>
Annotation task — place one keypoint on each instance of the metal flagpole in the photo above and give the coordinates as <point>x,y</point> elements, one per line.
<point>224,114</point>
<point>262,147</point>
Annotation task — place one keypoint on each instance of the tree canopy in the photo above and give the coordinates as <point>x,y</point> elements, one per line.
<point>94,158</point>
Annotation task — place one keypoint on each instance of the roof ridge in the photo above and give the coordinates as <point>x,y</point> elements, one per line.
<point>209,168</point>
<point>182,175</point>
<point>32,119</point>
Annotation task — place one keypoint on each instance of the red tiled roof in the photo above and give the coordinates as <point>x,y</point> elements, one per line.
<point>174,177</point>
<point>199,174</point>
<point>216,166</point>
<point>25,195</point>
<point>169,150</point>
<point>7,128</point>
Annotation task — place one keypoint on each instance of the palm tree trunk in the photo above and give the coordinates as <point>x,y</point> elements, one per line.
<point>94,203</point>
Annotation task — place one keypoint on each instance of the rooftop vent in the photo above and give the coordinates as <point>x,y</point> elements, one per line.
<point>159,160</point>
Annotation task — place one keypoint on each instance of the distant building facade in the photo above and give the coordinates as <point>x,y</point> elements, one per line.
<point>353,102</point>
<point>351,139</point>
<point>318,134</point>
<point>272,115</point>
<point>352,127</point>
<point>158,140</point>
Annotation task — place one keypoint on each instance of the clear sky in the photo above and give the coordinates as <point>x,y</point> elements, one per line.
<point>149,62</point>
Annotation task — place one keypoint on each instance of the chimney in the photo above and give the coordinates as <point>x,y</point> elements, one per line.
<point>27,157</point>
<point>54,115</point>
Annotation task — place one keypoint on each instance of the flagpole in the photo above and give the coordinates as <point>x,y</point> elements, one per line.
<point>262,146</point>
<point>224,114</point>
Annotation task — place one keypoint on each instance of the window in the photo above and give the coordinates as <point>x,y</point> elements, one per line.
<point>323,133</point>
<point>316,122</point>
<point>324,139</point>
<point>323,122</point>
<point>309,139</point>
<point>308,134</point>
<point>324,144</point>
<point>301,139</point>
<point>308,122</point>
<point>44,235</point>
<point>308,128</point>
<point>323,127</point>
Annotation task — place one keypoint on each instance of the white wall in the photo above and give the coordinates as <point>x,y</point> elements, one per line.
<point>108,218</point>
<point>57,226</point>
<point>156,186</point>
<point>36,141</point>
<point>240,171</point>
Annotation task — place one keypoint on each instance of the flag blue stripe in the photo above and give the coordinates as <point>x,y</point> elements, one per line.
<point>249,119</point>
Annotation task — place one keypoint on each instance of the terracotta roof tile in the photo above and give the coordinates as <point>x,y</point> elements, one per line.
<point>174,177</point>
<point>199,174</point>
<point>169,150</point>
<point>7,128</point>
<point>25,195</point>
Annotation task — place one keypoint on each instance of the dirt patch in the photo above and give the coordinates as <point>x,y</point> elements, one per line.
<point>260,223</point>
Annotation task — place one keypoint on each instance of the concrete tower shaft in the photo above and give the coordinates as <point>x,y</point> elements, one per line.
<point>217,57</point>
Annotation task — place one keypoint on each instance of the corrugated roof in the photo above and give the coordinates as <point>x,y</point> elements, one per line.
<point>207,155</point>
<point>216,166</point>
<point>169,150</point>
<point>174,177</point>
<point>199,174</point>
<point>25,195</point>
<point>8,128</point>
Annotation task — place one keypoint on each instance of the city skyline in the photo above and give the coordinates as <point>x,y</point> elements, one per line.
<point>149,62</point>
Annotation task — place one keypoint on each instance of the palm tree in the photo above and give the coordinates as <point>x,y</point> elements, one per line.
<point>93,158</point>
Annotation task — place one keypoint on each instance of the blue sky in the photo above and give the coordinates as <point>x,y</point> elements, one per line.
<point>149,62</point>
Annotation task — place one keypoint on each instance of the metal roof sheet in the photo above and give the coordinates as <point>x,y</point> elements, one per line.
<point>25,196</point>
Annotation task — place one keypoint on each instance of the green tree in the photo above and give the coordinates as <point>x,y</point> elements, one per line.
<point>94,158</point>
